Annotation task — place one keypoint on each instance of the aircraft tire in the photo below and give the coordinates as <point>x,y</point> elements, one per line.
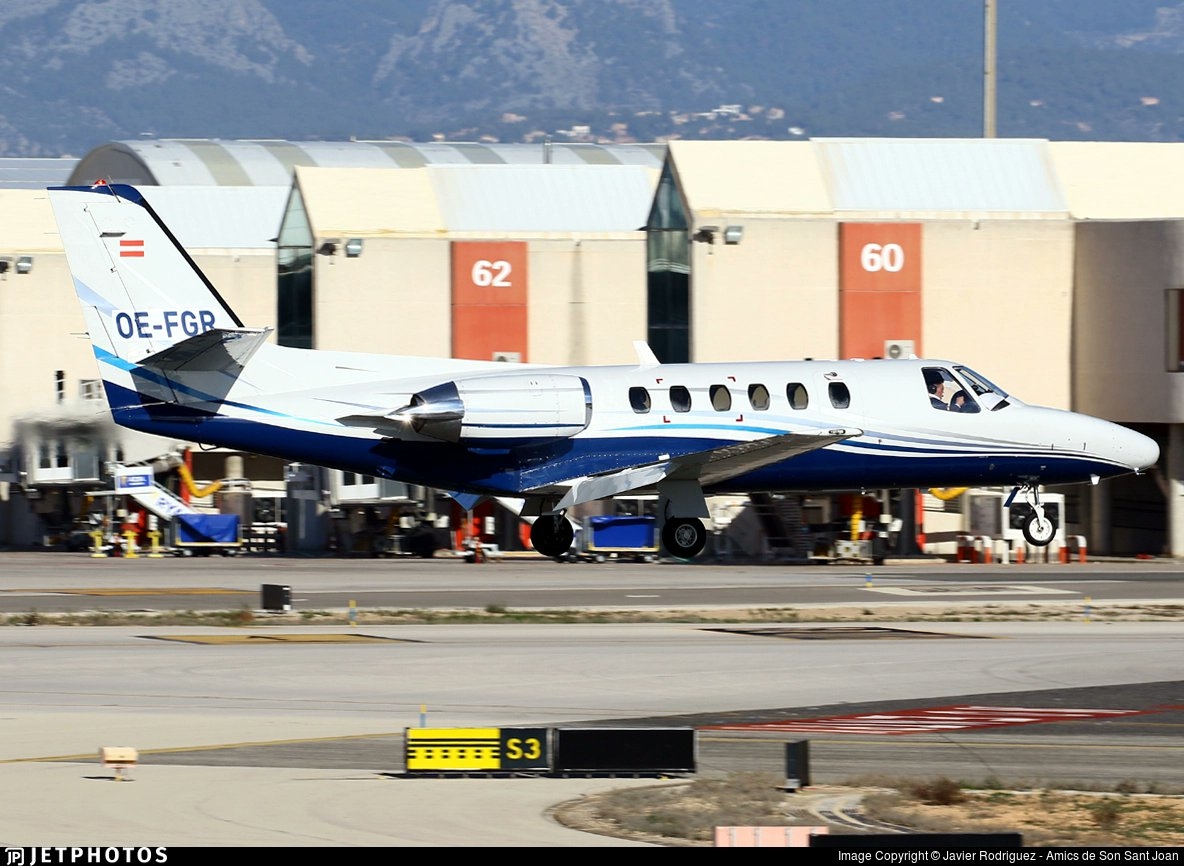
<point>1039,532</point>
<point>552,535</point>
<point>684,537</point>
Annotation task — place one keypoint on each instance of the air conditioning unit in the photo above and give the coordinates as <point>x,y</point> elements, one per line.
<point>899,349</point>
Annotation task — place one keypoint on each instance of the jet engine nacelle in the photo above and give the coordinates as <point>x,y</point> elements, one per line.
<point>521,407</point>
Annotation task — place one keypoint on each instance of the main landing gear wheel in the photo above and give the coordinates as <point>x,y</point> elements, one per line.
<point>684,537</point>
<point>1039,529</point>
<point>552,535</point>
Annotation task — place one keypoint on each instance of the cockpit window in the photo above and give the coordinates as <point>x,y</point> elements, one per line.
<point>987,392</point>
<point>960,401</point>
<point>941,385</point>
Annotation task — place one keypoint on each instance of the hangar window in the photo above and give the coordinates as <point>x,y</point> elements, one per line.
<point>680,399</point>
<point>758,397</point>
<point>639,399</point>
<point>668,274</point>
<point>796,392</point>
<point>295,318</point>
<point>840,395</point>
<point>721,398</point>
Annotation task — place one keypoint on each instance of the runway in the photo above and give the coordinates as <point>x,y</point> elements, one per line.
<point>296,743</point>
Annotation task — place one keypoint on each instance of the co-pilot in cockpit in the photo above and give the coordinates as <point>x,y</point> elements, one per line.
<point>962,390</point>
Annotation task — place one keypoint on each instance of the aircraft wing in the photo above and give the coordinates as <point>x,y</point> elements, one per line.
<point>707,467</point>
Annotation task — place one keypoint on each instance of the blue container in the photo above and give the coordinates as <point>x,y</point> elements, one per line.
<point>621,533</point>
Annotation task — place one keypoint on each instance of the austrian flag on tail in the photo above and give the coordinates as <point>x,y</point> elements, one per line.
<point>131,249</point>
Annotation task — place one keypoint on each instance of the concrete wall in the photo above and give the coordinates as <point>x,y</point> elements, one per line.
<point>587,300</point>
<point>392,299</point>
<point>1120,355</point>
<point>773,296</point>
<point>997,296</point>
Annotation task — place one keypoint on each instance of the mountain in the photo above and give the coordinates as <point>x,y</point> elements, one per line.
<point>77,73</point>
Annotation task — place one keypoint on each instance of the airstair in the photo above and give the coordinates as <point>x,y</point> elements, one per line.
<point>139,482</point>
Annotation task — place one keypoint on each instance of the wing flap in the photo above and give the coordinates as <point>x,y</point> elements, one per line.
<point>720,464</point>
<point>707,467</point>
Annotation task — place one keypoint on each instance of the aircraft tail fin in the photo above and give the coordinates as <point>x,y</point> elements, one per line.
<point>140,290</point>
<point>146,302</point>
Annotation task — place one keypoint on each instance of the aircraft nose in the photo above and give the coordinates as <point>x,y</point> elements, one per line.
<point>1125,446</point>
<point>1139,452</point>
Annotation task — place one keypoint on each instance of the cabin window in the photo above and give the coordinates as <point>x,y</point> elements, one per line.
<point>840,395</point>
<point>721,398</point>
<point>639,399</point>
<point>758,397</point>
<point>798,398</point>
<point>680,399</point>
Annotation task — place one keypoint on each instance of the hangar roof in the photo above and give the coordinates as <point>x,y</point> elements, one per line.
<point>870,177</point>
<point>205,217</point>
<point>468,198</point>
<point>1112,180</point>
<point>271,162</point>
<point>200,217</point>
<point>773,177</point>
<point>34,172</point>
<point>917,175</point>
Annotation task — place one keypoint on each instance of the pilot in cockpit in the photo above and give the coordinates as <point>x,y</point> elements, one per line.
<point>936,384</point>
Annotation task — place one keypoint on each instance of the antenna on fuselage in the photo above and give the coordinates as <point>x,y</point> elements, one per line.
<point>645,355</point>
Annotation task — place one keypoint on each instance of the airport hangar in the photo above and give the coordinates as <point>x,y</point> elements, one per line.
<point>1054,268</point>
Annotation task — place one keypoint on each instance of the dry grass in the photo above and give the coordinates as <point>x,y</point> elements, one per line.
<point>686,814</point>
<point>1045,818</point>
<point>496,613</point>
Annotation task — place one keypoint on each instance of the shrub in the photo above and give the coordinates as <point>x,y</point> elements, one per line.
<point>938,792</point>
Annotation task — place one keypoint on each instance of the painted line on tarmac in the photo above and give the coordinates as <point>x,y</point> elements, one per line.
<point>118,591</point>
<point>963,589</point>
<point>932,720</point>
<point>171,750</point>
<point>240,639</point>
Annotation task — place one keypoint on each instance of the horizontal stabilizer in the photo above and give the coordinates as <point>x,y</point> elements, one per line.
<point>226,349</point>
<point>392,427</point>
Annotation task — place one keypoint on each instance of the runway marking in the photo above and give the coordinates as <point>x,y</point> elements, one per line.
<point>963,589</point>
<point>930,720</point>
<point>118,591</point>
<point>836,632</point>
<point>274,638</point>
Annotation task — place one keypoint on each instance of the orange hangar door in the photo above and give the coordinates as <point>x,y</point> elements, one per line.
<point>489,292</point>
<point>879,287</point>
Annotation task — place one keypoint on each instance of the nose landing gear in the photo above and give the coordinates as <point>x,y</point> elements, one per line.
<point>1038,528</point>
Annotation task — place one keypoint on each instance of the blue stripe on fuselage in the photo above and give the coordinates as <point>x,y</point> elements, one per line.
<point>509,470</point>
